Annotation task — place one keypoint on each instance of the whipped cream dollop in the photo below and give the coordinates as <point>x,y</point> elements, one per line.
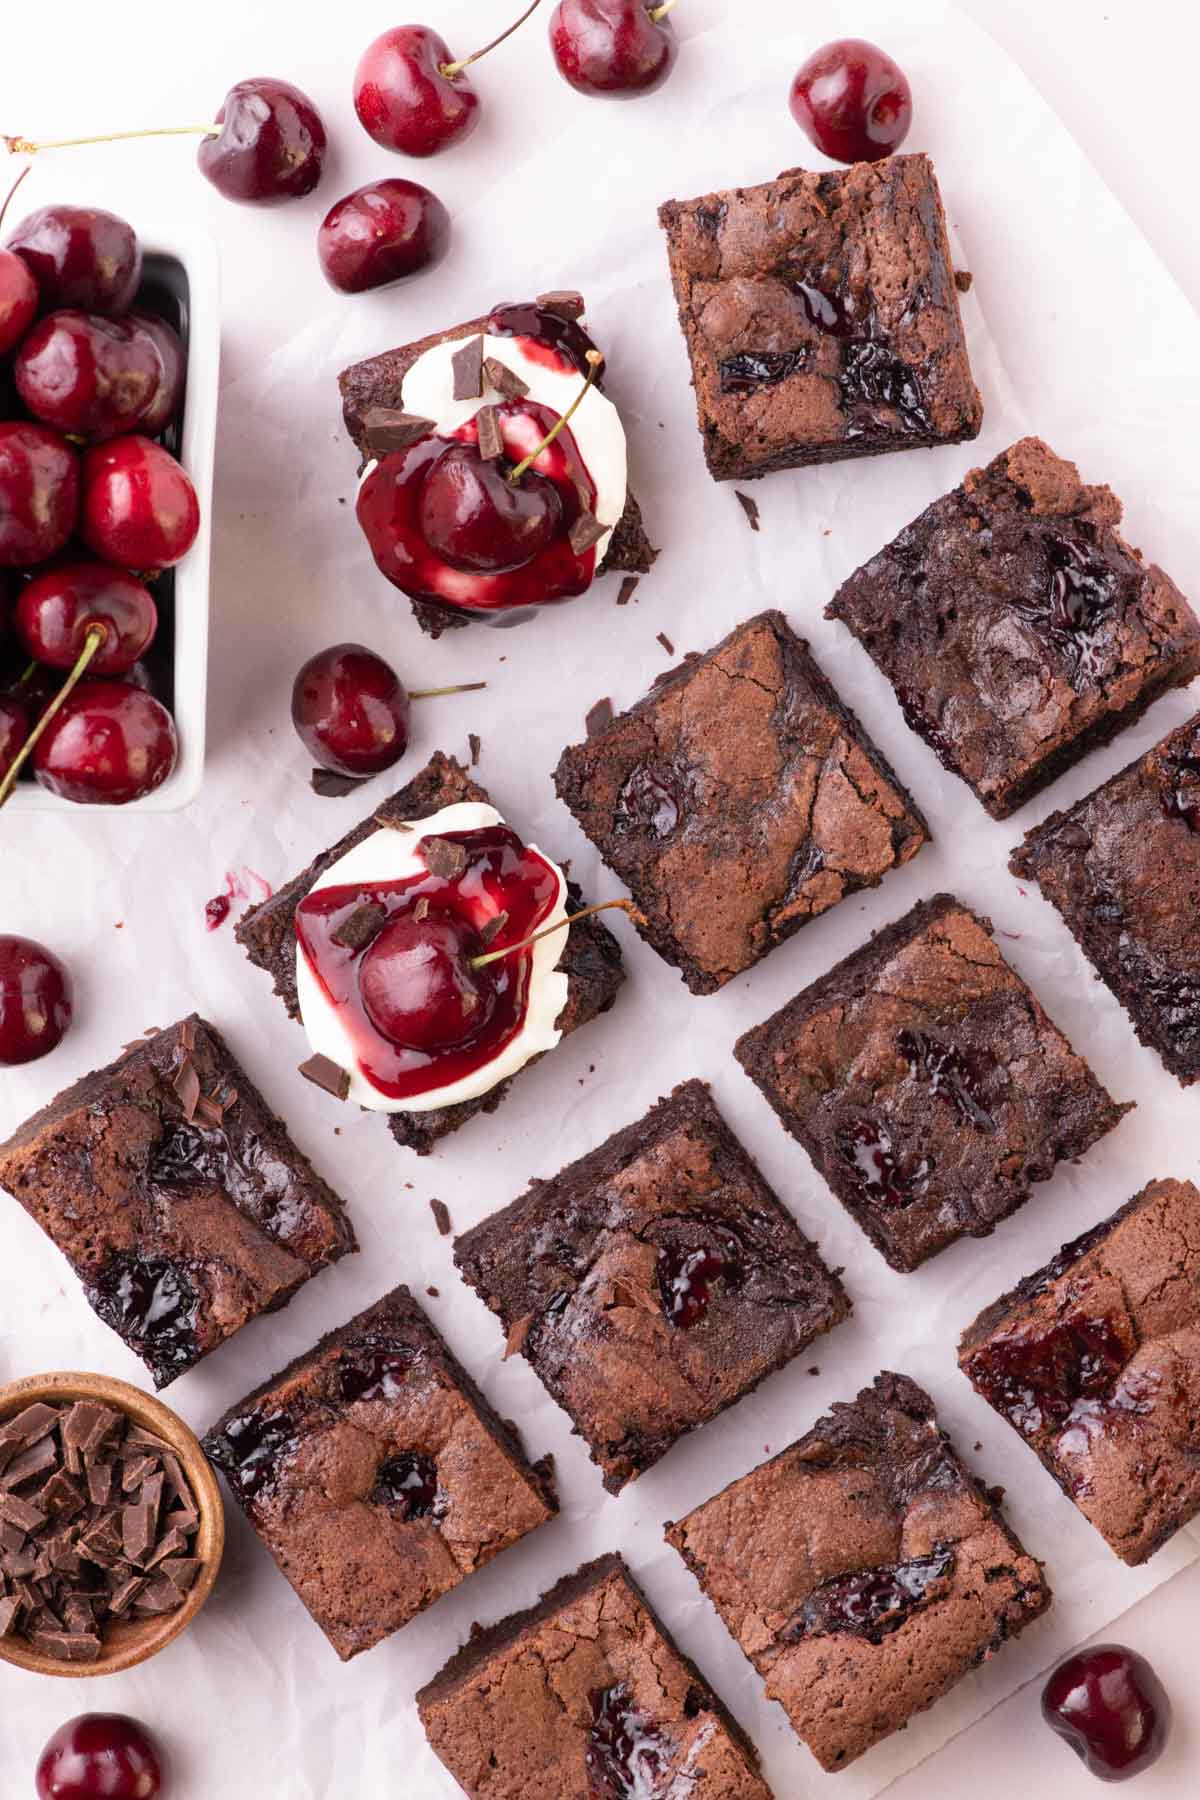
<point>596,427</point>
<point>390,854</point>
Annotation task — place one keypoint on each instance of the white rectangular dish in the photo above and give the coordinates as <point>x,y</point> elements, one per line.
<point>181,262</point>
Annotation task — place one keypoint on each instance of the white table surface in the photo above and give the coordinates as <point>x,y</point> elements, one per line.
<point>1118,73</point>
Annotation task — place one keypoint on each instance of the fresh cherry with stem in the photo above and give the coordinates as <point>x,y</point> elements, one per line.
<point>57,612</point>
<point>35,1000</point>
<point>485,515</point>
<point>106,744</point>
<point>381,234</point>
<point>351,710</point>
<point>614,49</point>
<point>18,289</point>
<point>267,143</point>
<point>102,1756</point>
<point>80,256</point>
<point>852,101</point>
<point>410,94</point>
<point>1110,1707</point>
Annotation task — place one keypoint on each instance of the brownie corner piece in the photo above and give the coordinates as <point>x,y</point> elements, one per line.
<point>738,800</point>
<point>1122,867</point>
<point>376,1473</point>
<point>665,1256</point>
<point>176,1195</point>
<point>927,1083</point>
<point>863,1571</point>
<point>1016,625</point>
<point>1095,1361</point>
<point>585,1692</point>
<point>821,317</point>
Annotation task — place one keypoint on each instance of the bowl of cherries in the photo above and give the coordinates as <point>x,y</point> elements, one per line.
<point>109,348</point>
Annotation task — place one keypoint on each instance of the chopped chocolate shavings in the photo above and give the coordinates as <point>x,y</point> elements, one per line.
<point>467,367</point>
<point>599,717</point>
<point>331,786</point>
<point>187,1088</point>
<point>210,1110</point>
<point>443,858</point>
<point>491,442</point>
<point>386,429</point>
<point>506,381</point>
<point>324,1073</point>
<point>476,746</point>
<point>566,303</point>
<point>515,1341</point>
<point>963,280</point>
<point>586,531</point>
<point>441,1217</point>
<point>492,927</point>
<point>187,1034</point>
<point>748,506</point>
<point>666,643</point>
<point>628,589</point>
<point>356,932</point>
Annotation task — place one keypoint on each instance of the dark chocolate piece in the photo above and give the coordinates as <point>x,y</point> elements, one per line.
<point>441,1217</point>
<point>749,506</point>
<point>331,785</point>
<point>506,381</point>
<point>666,643</point>
<point>566,302</point>
<point>386,429</point>
<point>491,443</point>
<point>324,1073</point>
<point>599,717</point>
<point>443,857</point>
<point>467,367</point>
<point>356,932</point>
<point>586,531</point>
<point>628,589</point>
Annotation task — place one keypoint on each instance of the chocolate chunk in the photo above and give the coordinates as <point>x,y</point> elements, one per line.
<point>137,1531</point>
<point>182,1570</point>
<point>467,367</point>
<point>37,1421</point>
<point>187,1088</point>
<point>324,1073</point>
<point>67,1646</point>
<point>332,786</point>
<point>441,1216</point>
<point>586,531</point>
<point>159,1597</point>
<point>506,381</point>
<point>963,280</point>
<point>356,932</point>
<point>599,717</point>
<point>628,589</point>
<point>39,1457</point>
<point>135,1472</point>
<point>443,857</point>
<point>127,1591</point>
<point>491,442</point>
<point>666,643</point>
<point>386,429</point>
<point>748,506</point>
<point>514,1343</point>
<point>475,748</point>
<point>565,303</point>
<point>493,927</point>
<point>10,1606</point>
<point>21,1512</point>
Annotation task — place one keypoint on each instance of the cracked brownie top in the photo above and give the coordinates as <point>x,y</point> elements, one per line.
<point>1017,626</point>
<point>738,800</point>
<point>585,1694</point>
<point>863,1570</point>
<point>376,1473</point>
<point>653,1282</point>
<point>1095,1360</point>
<point>927,1084</point>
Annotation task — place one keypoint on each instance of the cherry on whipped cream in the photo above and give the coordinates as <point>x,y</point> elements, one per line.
<point>419,987</point>
<point>475,518</point>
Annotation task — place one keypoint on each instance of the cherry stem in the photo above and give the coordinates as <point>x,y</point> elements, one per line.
<point>464,687</point>
<point>660,12</point>
<point>19,146</point>
<point>595,363</point>
<point>451,69</point>
<point>625,906</point>
<point>12,190</point>
<point>96,636</point>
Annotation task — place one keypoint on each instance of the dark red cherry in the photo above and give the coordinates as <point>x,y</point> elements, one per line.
<point>404,101</point>
<point>418,987</point>
<point>18,300</point>
<point>56,611</point>
<point>351,710</point>
<point>101,1756</point>
<point>109,743</point>
<point>617,49</point>
<point>381,234</point>
<point>39,493</point>
<point>87,375</point>
<point>1112,1709</point>
<point>852,101</point>
<point>168,395</point>
<point>475,518</point>
<point>15,725</point>
<point>35,1000</point>
<point>271,146</point>
<point>139,508</point>
<point>81,257</point>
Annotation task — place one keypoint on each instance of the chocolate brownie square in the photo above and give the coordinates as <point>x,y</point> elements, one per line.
<point>738,800</point>
<point>926,1083</point>
<point>376,1473</point>
<point>1095,1360</point>
<point>176,1195</point>
<point>821,317</point>
<point>378,381</point>
<point>863,1571</point>
<point>652,1283</point>
<point>591,958</point>
<point>585,1694</point>
<point>1123,868</point>
<point>1017,626</point>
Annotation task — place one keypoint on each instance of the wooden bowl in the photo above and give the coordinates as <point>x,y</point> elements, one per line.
<point>128,1641</point>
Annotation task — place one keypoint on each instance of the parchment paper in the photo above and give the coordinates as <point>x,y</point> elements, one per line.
<point>1075,332</point>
